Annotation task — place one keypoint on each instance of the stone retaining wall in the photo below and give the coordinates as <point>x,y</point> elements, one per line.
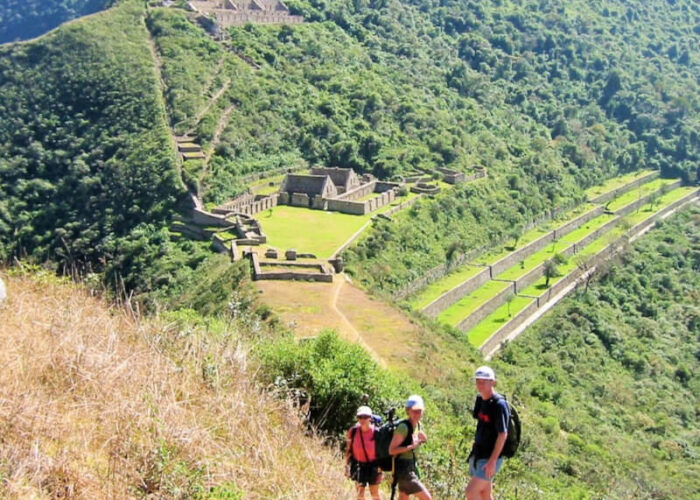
<point>502,333</point>
<point>577,222</point>
<point>627,209</point>
<point>485,309</point>
<point>644,224</point>
<point>205,218</point>
<point>605,228</point>
<point>450,297</point>
<point>623,189</point>
<point>514,257</point>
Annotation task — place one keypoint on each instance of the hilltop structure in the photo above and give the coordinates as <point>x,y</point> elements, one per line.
<point>233,13</point>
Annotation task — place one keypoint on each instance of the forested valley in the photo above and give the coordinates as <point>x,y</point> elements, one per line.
<point>550,98</point>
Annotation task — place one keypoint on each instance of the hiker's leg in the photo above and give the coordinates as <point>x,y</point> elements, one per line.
<point>360,492</point>
<point>478,489</point>
<point>423,495</point>
<point>403,496</point>
<point>374,491</point>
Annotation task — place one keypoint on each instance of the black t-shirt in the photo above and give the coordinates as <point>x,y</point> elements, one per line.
<point>492,416</point>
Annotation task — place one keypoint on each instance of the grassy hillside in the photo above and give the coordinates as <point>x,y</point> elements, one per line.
<point>98,404</point>
<point>23,19</point>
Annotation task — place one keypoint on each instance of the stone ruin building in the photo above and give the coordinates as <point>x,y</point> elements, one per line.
<point>234,13</point>
<point>336,189</point>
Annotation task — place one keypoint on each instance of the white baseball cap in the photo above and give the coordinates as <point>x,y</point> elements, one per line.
<point>364,411</point>
<point>415,402</point>
<point>485,372</point>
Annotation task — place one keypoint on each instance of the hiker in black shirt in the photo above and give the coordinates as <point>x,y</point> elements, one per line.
<point>485,460</point>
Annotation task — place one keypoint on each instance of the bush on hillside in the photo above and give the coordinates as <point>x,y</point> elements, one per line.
<point>330,377</point>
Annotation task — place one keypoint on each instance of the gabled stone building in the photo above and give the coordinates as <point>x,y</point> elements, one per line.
<point>301,190</point>
<point>344,179</point>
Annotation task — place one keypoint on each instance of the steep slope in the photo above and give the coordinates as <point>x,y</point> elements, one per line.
<point>97,404</point>
<point>87,154</point>
<point>23,19</point>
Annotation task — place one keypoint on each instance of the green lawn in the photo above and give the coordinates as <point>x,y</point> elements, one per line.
<point>481,332</point>
<point>637,193</point>
<point>308,231</point>
<point>614,183</point>
<point>467,304</point>
<point>437,288</point>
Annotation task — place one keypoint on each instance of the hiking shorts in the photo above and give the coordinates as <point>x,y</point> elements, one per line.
<point>365,473</point>
<point>410,484</point>
<point>407,479</point>
<point>476,467</point>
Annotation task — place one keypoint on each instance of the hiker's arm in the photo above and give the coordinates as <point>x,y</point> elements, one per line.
<point>395,447</point>
<point>490,467</point>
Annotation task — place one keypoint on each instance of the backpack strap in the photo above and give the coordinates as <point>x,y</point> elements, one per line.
<point>362,440</point>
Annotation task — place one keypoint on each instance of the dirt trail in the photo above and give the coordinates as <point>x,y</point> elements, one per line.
<point>338,283</point>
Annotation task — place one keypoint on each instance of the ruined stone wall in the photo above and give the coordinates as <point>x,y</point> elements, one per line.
<point>232,18</point>
<point>299,200</point>
<point>348,207</point>
<point>359,192</point>
<point>260,205</point>
<point>204,218</point>
<point>485,309</point>
<point>386,186</point>
<point>623,189</point>
<point>450,297</point>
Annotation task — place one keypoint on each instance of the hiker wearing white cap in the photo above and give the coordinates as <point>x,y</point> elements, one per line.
<point>361,456</point>
<point>492,414</point>
<point>407,437</point>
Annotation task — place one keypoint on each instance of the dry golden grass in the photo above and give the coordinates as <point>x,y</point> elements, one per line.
<point>94,404</point>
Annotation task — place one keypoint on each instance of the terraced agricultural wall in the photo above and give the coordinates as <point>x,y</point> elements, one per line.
<point>502,333</point>
<point>485,309</point>
<point>579,245</point>
<point>577,222</point>
<point>624,189</point>
<point>628,209</point>
<point>465,288</point>
<point>513,258</point>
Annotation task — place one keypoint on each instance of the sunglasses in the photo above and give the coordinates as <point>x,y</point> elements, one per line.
<point>362,417</point>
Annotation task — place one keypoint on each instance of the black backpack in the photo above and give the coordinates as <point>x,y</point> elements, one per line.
<point>382,441</point>
<point>513,440</point>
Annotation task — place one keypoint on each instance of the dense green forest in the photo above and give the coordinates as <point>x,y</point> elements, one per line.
<point>551,98</point>
<point>23,19</point>
<point>87,168</point>
<point>607,384</point>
